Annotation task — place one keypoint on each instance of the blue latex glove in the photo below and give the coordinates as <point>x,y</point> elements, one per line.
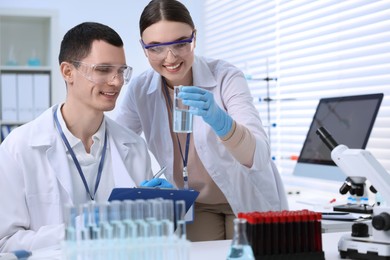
<point>202,103</point>
<point>156,183</point>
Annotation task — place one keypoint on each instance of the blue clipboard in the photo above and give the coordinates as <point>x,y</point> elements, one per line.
<point>189,196</point>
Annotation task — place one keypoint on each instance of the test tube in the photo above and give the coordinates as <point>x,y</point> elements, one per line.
<point>147,208</point>
<point>311,231</point>
<point>69,245</point>
<point>139,209</point>
<point>87,222</point>
<point>267,233</point>
<point>318,232</point>
<point>297,232</point>
<point>128,219</point>
<point>128,209</point>
<point>93,220</point>
<point>142,227</point>
<point>275,246</point>
<point>83,230</point>
<point>156,217</point>
<point>180,212</point>
<point>155,230</point>
<point>282,232</point>
<point>304,230</point>
<point>167,218</point>
<point>106,231</point>
<point>115,219</point>
<point>180,207</point>
<point>70,222</point>
<point>168,210</point>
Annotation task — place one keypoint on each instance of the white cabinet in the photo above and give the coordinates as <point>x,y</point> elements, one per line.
<point>28,53</point>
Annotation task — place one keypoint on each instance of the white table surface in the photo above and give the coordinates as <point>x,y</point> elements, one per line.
<point>219,249</point>
<point>213,250</point>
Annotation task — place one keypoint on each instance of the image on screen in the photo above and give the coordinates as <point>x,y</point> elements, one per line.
<point>348,119</point>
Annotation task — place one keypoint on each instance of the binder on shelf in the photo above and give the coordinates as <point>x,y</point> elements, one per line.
<point>9,97</point>
<point>25,97</point>
<point>41,97</point>
<point>189,196</point>
<point>5,130</point>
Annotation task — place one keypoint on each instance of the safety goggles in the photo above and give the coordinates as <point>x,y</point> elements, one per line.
<point>104,73</point>
<point>159,51</point>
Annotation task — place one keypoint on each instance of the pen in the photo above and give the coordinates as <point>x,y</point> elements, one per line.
<point>335,213</point>
<point>160,172</point>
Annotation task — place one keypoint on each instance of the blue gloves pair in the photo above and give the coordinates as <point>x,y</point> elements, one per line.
<point>156,183</point>
<point>202,103</point>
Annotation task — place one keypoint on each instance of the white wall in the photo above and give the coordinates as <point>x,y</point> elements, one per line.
<point>121,15</point>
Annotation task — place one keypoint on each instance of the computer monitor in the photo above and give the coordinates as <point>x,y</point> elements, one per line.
<point>349,119</point>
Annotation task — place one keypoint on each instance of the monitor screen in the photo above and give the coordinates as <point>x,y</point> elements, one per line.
<point>349,120</point>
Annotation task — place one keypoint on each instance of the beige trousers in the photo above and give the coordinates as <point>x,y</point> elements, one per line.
<point>211,222</point>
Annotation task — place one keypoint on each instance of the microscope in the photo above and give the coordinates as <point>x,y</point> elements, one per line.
<point>356,186</point>
<point>360,165</point>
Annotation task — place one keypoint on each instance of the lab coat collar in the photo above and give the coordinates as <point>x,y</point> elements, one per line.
<point>43,129</point>
<point>155,82</point>
<point>44,134</point>
<point>120,145</point>
<point>202,76</point>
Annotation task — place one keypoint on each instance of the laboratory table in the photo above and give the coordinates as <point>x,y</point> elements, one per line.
<point>213,250</point>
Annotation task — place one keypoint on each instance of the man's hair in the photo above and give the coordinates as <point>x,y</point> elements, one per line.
<point>77,42</point>
<point>169,10</point>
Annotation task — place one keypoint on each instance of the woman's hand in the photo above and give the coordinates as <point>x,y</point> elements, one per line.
<point>202,103</point>
<point>156,183</point>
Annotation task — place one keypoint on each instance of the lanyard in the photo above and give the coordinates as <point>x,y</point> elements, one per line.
<point>76,162</point>
<point>185,157</point>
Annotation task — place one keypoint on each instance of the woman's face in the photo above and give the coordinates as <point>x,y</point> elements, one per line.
<point>172,61</point>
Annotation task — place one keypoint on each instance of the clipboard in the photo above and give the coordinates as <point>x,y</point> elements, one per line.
<point>189,196</point>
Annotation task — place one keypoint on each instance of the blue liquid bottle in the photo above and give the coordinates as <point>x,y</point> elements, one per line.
<point>240,248</point>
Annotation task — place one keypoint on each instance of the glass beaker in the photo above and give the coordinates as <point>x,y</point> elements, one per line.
<point>182,118</point>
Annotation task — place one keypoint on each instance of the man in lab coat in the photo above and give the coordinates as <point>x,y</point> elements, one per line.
<point>72,153</point>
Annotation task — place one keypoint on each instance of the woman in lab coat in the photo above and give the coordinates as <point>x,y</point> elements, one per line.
<point>38,176</point>
<point>227,157</point>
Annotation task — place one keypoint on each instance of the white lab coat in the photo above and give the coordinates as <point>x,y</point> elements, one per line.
<point>35,181</point>
<point>143,108</point>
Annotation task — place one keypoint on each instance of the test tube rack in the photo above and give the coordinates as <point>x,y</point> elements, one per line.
<point>285,235</point>
<point>125,230</point>
<point>127,249</point>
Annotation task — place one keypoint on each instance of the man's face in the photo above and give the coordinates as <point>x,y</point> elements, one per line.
<point>98,78</point>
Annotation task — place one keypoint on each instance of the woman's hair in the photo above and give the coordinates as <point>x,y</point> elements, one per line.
<point>168,10</point>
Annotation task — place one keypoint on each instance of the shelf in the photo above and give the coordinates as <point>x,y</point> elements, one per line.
<point>27,57</point>
<point>23,38</point>
<point>17,123</point>
<point>25,68</point>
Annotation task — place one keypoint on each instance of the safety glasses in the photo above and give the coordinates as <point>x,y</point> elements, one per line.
<point>104,73</point>
<point>159,51</point>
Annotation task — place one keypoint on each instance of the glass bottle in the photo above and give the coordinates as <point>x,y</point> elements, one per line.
<point>240,248</point>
